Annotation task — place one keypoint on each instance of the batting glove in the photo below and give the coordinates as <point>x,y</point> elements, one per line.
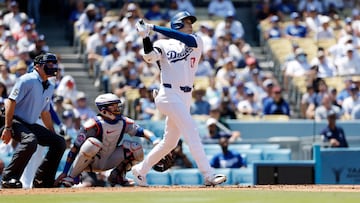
<point>143,28</point>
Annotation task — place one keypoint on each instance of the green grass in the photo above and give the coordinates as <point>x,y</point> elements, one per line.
<point>208,196</point>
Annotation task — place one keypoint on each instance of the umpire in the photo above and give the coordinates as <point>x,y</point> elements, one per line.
<point>30,99</point>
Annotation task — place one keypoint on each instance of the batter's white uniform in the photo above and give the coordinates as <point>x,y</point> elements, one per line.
<point>178,64</point>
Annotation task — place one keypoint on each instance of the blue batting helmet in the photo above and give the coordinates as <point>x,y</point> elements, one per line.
<point>176,21</point>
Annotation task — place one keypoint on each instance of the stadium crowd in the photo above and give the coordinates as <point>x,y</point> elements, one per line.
<point>230,79</point>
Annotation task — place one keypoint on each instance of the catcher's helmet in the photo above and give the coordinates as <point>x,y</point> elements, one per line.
<point>103,101</point>
<point>177,20</point>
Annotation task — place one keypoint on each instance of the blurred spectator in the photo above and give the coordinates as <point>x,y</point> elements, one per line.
<point>224,73</point>
<point>204,68</point>
<point>86,21</point>
<point>154,13</point>
<point>275,31</point>
<point>296,29</point>
<point>181,160</point>
<point>67,89</point>
<point>333,134</point>
<point>344,93</point>
<point>3,93</point>
<point>306,99</point>
<point>186,5</point>
<point>227,158</point>
<point>321,90</point>
<point>246,74</point>
<point>313,19</point>
<point>297,67</point>
<point>127,23</point>
<point>171,9</point>
<point>325,31</point>
<point>355,113</point>
<point>39,47</point>
<point>14,18</point>
<point>106,65</point>
<point>21,68</point>
<point>213,94</point>
<point>147,105</point>
<point>305,5</point>
<point>349,64</point>
<point>249,106</point>
<point>74,16</point>
<point>227,107</point>
<point>240,51</point>
<point>220,8</point>
<point>68,119</point>
<point>9,49</point>
<point>6,77</point>
<point>217,130</point>
<point>237,92</point>
<point>285,7</point>
<point>264,9</point>
<point>325,66</point>
<point>351,101</point>
<point>277,105</point>
<point>326,105</point>
<point>267,85</point>
<point>231,26</point>
<point>199,106</point>
<point>82,110</point>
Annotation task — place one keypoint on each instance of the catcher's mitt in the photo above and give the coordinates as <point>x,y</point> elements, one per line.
<point>165,163</point>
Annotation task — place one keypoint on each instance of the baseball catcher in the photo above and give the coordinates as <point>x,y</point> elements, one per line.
<point>100,146</point>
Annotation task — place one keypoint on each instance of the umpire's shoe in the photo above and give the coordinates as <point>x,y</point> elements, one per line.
<point>12,183</point>
<point>215,180</point>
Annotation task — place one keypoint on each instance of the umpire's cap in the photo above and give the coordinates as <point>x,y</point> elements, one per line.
<point>176,21</point>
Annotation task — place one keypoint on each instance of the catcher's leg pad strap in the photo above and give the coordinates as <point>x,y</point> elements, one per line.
<point>135,148</point>
<point>87,152</point>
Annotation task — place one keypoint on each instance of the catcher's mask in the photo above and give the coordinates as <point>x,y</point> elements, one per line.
<point>109,105</point>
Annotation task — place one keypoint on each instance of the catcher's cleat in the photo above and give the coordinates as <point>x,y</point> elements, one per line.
<point>215,180</point>
<point>69,181</point>
<point>139,179</point>
<point>116,178</point>
<point>12,183</point>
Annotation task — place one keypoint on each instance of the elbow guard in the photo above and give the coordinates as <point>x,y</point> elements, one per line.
<point>152,57</point>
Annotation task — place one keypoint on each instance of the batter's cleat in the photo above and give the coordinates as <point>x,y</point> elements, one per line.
<point>139,179</point>
<point>116,178</point>
<point>12,183</point>
<point>215,180</point>
<point>69,181</point>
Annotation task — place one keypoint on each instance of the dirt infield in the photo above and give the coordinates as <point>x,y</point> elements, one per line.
<point>307,188</point>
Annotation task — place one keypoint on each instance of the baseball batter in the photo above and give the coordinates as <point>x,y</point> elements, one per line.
<point>100,145</point>
<point>177,58</point>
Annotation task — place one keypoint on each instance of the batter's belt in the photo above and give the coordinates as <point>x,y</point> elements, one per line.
<point>182,88</point>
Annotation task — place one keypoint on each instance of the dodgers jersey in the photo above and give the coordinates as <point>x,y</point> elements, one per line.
<point>179,62</point>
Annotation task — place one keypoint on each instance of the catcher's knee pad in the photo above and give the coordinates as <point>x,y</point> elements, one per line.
<point>91,147</point>
<point>135,149</point>
<point>87,152</point>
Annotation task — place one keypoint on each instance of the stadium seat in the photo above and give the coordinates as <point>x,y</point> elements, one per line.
<point>239,147</point>
<point>265,146</point>
<point>158,178</point>
<point>251,155</point>
<point>242,176</point>
<point>277,154</point>
<point>276,117</point>
<point>187,177</point>
<point>212,149</point>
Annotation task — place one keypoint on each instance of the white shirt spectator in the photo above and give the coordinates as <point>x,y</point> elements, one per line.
<point>305,5</point>
<point>220,8</point>
<point>326,67</point>
<point>348,64</point>
<point>186,5</point>
<point>230,25</point>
